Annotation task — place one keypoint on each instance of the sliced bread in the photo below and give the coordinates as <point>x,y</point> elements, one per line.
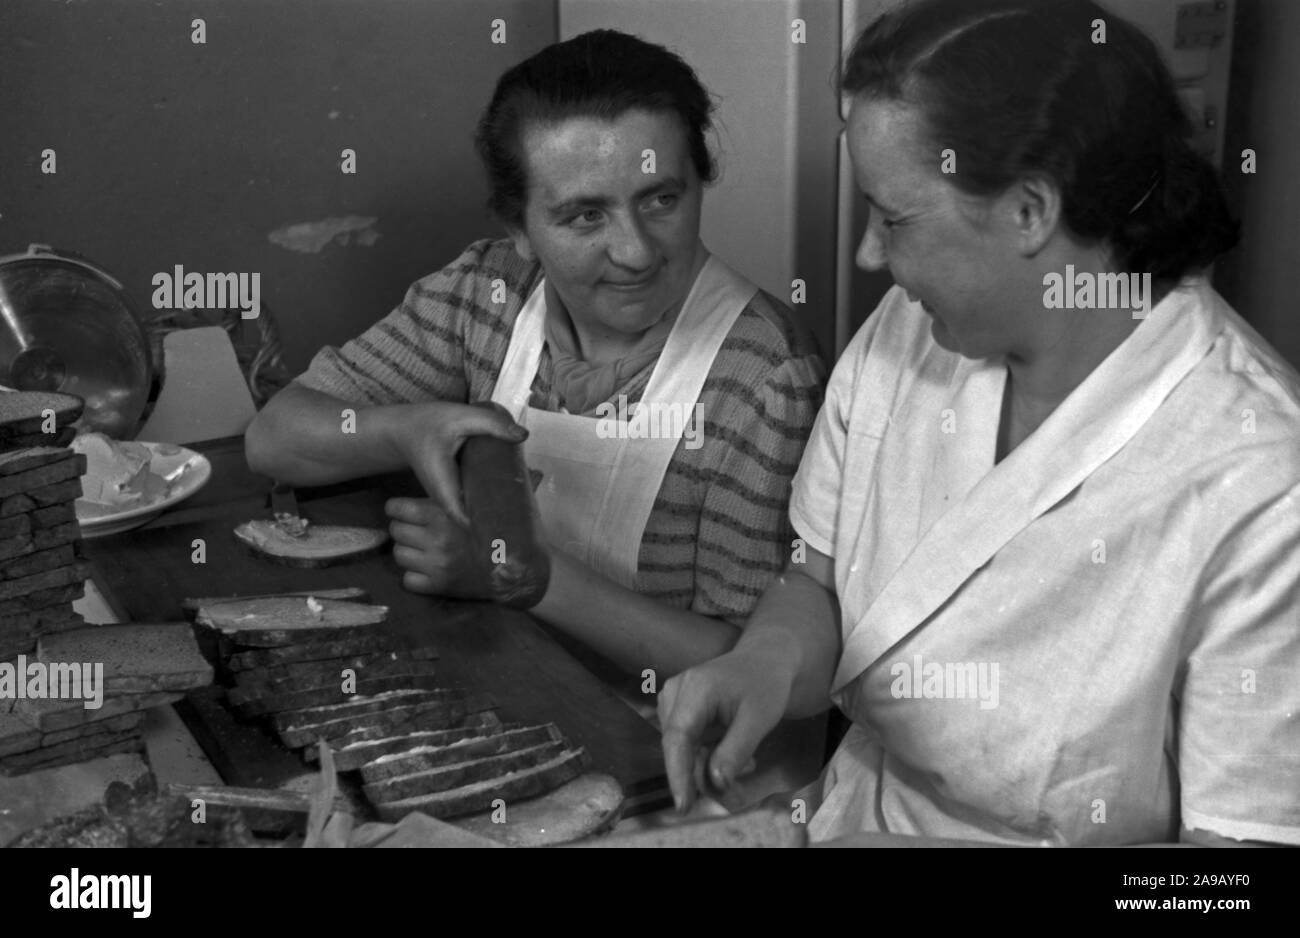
<point>459,774</point>
<point>320,545</point>
<point>260,704</point>
<point>306,675</point>
<point>286,620</point>
<point>192,605</point>
<point>423,758</point>
<point>353,751</point>
<point>24,413</point>
<point>345,643</point>
<point>137,659</point>
<point>430,714</point>
<point>479,796</point>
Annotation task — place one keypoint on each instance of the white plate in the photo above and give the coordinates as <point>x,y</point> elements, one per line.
<point>166,458</point>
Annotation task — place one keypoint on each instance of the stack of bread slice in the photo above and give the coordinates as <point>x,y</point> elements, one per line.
<point>42,570</point>
<point>119,671</point>
<point>317,666</point>
<point>463,773</point>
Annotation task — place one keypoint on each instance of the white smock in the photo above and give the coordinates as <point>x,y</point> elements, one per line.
<point>1093,641</point>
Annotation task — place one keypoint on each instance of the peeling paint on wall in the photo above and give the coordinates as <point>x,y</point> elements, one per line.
<point>310,237</point>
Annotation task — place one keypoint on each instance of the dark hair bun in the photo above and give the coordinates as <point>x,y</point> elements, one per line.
<point>1183,226</point>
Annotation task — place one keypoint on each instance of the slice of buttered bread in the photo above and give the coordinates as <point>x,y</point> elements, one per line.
<point>285,620</point>
<point>310,545</point>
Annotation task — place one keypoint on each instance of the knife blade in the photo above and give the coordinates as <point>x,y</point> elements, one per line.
<point>283,501</point>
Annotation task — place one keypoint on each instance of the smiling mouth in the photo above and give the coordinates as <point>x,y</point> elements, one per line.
<point>631,284</point>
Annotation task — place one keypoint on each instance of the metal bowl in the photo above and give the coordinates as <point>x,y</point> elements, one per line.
<point>67,325</point>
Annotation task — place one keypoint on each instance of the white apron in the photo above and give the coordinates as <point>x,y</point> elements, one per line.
<point>597,492</point>
<point>599,485</point>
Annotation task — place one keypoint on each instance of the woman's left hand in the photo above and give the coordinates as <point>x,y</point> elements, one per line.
<point>432,549</point>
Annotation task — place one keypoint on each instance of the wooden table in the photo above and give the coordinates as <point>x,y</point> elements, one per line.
<point>145,574</point>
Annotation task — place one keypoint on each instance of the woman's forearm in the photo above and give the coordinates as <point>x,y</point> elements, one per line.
<point>304,437</point>
<point>796,627</point>
<point>634,631</point>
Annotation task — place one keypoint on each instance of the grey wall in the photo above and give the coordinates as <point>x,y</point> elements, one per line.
<point>172,153</point>
<point>1259,277</point>
<point>175,153</point>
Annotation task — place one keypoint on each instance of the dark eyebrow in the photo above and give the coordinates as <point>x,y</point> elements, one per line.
<point>582,203</point>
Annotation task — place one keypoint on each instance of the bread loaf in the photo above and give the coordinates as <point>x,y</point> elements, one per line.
<point>510,566</point>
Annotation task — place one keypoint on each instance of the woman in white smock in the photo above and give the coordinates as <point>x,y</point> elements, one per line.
<point>1053,498</point>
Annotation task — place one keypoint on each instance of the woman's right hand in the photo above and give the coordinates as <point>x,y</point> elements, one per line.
<point>430,435</point>
<point>744,694</point>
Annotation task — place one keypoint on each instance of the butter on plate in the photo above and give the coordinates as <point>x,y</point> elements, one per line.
<point>118,472</point>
